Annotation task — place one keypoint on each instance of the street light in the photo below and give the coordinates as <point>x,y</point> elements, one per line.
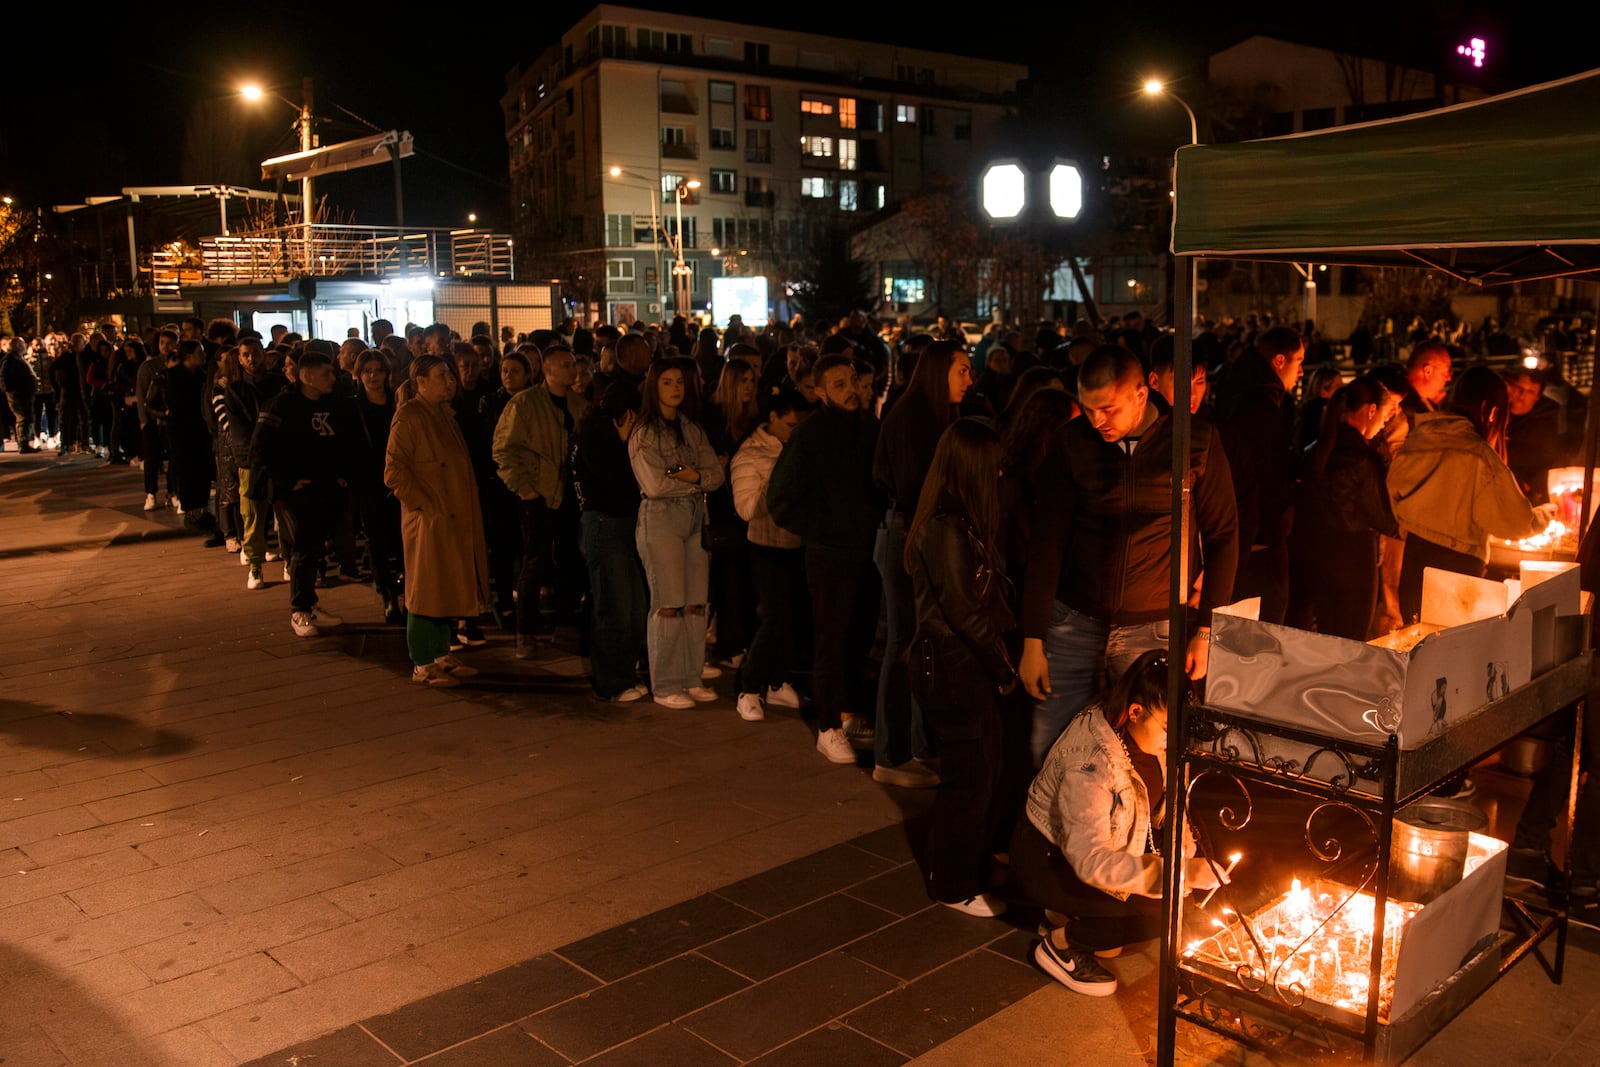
<point>680,269</point>
<point>1155,87</point>
<point>655,222</point>
<point>253,92</point>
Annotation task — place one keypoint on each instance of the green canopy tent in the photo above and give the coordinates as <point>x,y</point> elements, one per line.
<point>1497,190</point>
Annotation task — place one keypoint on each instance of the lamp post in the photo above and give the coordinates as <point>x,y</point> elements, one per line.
<point>302,124</point>
<point>655,222</point>
<point>680,269</point>
<point>1155,87</point>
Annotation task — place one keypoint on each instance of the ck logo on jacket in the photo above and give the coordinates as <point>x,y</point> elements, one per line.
<point>321,423</point>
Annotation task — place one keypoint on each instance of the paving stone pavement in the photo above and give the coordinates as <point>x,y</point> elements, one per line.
<point>221,844</point>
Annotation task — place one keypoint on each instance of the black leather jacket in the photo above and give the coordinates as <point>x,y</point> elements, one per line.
<point>960,593</point>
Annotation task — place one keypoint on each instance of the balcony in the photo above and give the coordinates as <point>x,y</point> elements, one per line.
<point>760,198</point>
<point>671,150</point>
<point>331,251</point>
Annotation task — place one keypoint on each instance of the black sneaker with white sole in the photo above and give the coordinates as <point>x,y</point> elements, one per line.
<point>1074,968</point>
<point>1530,866</point>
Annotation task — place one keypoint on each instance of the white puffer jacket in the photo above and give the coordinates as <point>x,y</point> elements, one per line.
<point>750,471</point>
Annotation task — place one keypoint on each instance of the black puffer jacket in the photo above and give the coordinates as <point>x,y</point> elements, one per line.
<point>960,592</point>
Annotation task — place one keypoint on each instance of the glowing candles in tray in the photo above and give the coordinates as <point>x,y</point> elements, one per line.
<point>1313,941</point>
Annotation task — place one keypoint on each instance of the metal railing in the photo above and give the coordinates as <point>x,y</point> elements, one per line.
<point>332,251</point>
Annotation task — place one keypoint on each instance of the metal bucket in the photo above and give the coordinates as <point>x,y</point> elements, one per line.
<point>1429,850</point>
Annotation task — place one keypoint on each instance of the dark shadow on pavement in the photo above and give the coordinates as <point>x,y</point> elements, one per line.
<point>83,1031</point>
<point>115,736</point>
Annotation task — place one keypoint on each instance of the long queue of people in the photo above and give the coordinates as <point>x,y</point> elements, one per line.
<point>694,503</point>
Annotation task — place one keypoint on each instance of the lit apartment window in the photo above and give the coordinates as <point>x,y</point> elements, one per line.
<point>758,103</point>
<point>847,113</point>
<point>724,181</point>
<point>816,188</point>
<point>905,113</point>
<point>816,105</point>
<point>847,195</point>
<point>619,276</point>
<point>619,230</point>
<point>669,186</point>
<point>847,153</point>
<point>816,148</point>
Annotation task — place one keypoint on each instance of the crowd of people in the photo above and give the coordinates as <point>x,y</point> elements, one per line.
<point>692,502</point>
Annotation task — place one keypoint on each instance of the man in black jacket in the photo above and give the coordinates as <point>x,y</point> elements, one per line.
<point>821,488</point>
<point>301,444</point>
<point>1100,558</point>
<point>1256,416</point>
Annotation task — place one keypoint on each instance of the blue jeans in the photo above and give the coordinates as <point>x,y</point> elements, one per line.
<point>616,585</point>
<point>1084,653</point>
<point>678,569</point>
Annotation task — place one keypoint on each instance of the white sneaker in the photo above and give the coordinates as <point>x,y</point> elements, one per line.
<point>232,545</point>
<point>677,701</point>
<point>255,581</point>
<point>835,747</point>
<point>286,572</point>
<point>149,501</point>
<point>304,624</point>
<point>749,707</point>
<point>702,694</point>
<point>628,696</point>
<point>710,670</point>
<point>244,560</point>
<point>784,696</point>
<point>983,906</point>
<point>272,556</point>
<point>324,617</point>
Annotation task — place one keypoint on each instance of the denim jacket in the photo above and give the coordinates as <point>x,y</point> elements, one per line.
<point>1089,802</point>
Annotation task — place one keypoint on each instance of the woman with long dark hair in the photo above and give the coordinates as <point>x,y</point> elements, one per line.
<point>1450,487</point>
<point>906,446</point>
<point>730,418</point>
<point>676,467</point>
<point>1087,849</point>
<point>960,664</point>
<point>1341,507</point>
<point>608,494</point>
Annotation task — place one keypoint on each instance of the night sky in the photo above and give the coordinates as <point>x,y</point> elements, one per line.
<point>152,102</point>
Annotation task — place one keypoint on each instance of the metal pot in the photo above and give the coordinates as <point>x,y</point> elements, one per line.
<point>1429,850</point>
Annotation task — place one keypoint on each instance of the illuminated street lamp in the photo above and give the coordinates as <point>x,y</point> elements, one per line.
<point>253,93</point>
<point>1155,87</point>
<point>680,269</point>
<point>655,222</point>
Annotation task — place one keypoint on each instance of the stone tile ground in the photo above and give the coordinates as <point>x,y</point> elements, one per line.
<point>218,843</point>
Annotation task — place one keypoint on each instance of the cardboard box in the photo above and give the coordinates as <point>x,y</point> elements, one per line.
<point>1487,639</point>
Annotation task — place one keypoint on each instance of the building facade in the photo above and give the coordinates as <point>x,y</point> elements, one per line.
<point>753,137</point>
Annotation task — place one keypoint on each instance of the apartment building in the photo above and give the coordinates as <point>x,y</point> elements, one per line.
<point>752,137</point>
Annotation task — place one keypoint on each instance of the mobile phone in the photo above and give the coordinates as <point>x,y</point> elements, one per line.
<point>675,468</point>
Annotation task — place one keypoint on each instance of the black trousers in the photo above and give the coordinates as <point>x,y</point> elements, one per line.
<point>550,556</point>
<point>961,712</point>
<point>844,616</point>
<point>306,518</point>
<point>1096,919</point>
<point>780,582</point>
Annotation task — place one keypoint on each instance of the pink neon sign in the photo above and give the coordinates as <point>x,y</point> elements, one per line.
<point>1474,49</point>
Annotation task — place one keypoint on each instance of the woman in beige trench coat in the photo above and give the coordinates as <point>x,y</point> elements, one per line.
<point>441,527</point>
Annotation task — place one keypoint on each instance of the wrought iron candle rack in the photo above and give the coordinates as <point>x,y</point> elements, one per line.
<point>1371,782</point>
